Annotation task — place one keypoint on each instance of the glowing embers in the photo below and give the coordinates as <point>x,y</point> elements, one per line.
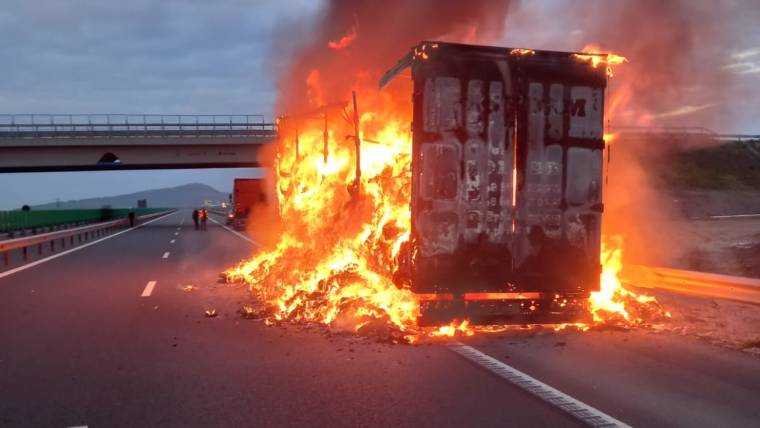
<point>478,296</point>
<point>422,51</point>
<point>455,328</point>
<point>522,52</point>
<point>595,57</point>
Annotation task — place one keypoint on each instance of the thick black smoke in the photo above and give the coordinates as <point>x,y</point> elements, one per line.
<point>384,31</point>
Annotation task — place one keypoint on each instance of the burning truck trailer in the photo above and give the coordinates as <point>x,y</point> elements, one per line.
<point>506,207</point>
<point>489,211</point>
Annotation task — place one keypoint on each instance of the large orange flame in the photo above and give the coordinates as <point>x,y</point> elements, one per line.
<point>337,254</point>
<point>614,303</point>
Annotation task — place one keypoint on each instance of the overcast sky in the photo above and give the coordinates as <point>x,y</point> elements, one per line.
<point>135,56</point>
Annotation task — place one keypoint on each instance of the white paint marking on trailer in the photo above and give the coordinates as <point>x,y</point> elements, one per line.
<point>165,256</point>
<point>582,411</point>
<point>240,235</point>
<point>172,241</point>
<point>55,256</point>
<point>148,289</point>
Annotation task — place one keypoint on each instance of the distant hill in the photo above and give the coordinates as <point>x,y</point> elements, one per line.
<point>185,196</point>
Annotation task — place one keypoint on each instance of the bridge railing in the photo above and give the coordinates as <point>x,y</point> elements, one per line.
<point>35,125</point>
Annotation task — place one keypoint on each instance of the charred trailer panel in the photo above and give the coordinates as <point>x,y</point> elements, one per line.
<point>506,182</point>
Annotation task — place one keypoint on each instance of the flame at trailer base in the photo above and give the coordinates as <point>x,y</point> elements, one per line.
<point>613,303</point>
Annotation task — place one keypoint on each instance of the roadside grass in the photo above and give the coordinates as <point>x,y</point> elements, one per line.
<point>730,166</point>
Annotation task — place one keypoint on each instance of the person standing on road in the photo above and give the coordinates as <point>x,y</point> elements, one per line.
<point>131,216</point>
<point>195,218</point>
<point>204,217</point>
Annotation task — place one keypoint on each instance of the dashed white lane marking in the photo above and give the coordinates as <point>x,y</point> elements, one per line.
<point>172,241</point>
<point>240,235</point>
<point>165,256</point>
<point>576,408</point>
<point>63,253</point>
<point>148,289</point>
<point>176,233</point>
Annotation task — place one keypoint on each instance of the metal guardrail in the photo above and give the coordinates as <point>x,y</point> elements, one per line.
<point>115,125</point>
<point>11,221</point>
<point>25,242</point>
<point>699,284</point>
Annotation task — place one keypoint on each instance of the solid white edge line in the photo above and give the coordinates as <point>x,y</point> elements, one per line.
<point>63,253</point>
<point>579,410</point>
<point>148,289</point>
<point>240,235</point>
<point>165,256</point>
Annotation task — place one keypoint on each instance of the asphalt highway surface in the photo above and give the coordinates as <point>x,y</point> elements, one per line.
<point>111,335</point>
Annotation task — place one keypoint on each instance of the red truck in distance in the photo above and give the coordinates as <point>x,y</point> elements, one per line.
<point>247,193</point>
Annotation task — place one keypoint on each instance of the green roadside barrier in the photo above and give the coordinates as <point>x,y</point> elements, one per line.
<point>17,219</point>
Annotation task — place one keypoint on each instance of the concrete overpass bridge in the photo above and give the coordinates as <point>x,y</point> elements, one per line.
<point>107,142</point>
